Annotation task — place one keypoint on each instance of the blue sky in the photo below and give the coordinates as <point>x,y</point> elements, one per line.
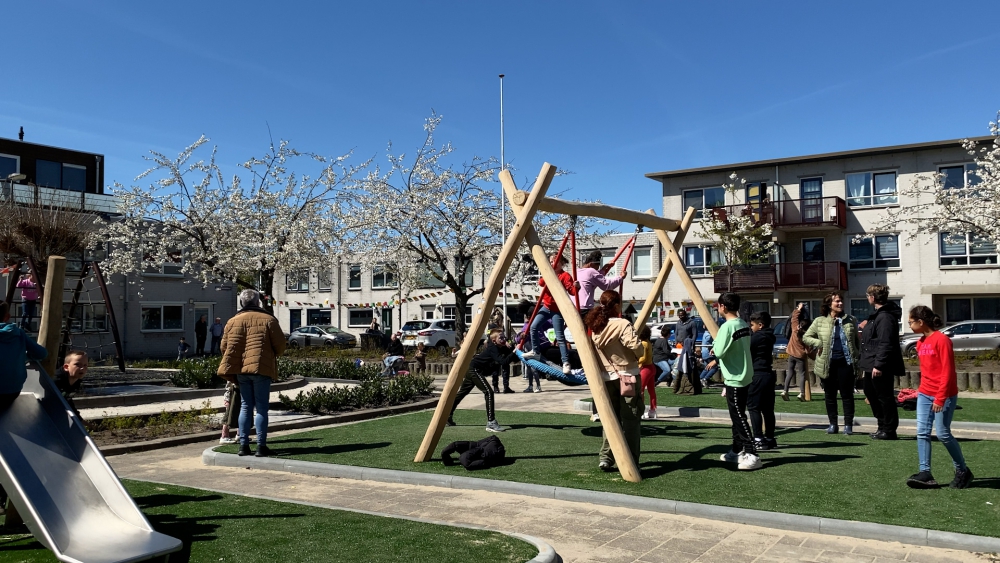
<point>608,90</point>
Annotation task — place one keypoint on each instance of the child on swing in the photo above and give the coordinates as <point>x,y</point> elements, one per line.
<point>549,311</point>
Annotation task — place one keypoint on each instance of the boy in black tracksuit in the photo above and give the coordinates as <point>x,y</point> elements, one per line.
<point>760,403</point>
<point>484,364</point>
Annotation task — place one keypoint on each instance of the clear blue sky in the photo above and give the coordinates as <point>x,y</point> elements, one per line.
<point>608,90</point>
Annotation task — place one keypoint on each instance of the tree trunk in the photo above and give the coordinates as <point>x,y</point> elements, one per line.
<point>266,289</point>
<point>461,307</point>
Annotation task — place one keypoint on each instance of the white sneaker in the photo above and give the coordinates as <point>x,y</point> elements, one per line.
<point>529,355</point>
<point>651,414</point>
<point>227,440</point>
<point>567,369</point>
<point>749,462</point>
<point>730,457</point>
<point>595,417</point>
<point>494,426</point>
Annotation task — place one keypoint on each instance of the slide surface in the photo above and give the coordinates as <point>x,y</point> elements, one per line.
<point>63,488</point>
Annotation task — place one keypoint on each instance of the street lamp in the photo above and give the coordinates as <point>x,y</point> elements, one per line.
<point>11,178</point>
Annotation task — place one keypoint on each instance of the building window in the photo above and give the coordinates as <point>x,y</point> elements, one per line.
<point>324,279</point>
<point>876,252</point>
<point>162,317</point>
<point>642,263</point>
<point>871,188</point>
<point>702,261</point>
<point>813,250</point>
<point>48,174</point>
<point>383,277</point>
<point>966,250</point>
<point>294,319</point>
<point>318,316</point>
<point>88,317</point>
<point>704,199</point>
<point>971,308</point>
<point>861,309</point>
<point>74,177</point>
<point>959,176</point>
<point>354,277</point>
<point>173,267</point>
<point>297,281</point>
<point>359,317</point>
<point>451,311</point>
<point>9,164</point>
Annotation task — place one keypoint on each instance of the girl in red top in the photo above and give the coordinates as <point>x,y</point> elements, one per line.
<point>936,399</point>
<point>549,310</point>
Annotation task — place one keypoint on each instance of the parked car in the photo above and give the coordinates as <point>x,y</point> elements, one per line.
<point>966,337</point>
<point>434,333</point>
<point>321,335</point>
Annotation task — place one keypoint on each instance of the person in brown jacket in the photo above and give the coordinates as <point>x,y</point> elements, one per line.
<point>798,353</point>
<point>619,350</point>
<point>251,344</point>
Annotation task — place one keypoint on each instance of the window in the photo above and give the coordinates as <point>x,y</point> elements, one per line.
<point>704,199</point>
<point>971,308</point>
<point>871,188</point>
<point>959,176</point>
<point>450,312</point>
<point>48,174</point>
<point>702,261</point>
<point>324,279</point>
<point>359,317</point>
<point>861,309</point>
<point>383,277</point>
<point>74,177</point>
<point>297,281</point>
<point>162,317</point>
<point>172,267</point>
<point>88,317</point>
<point>966,250</point>
<point>294,319</point>
<point>813,250</point>
<point>9,164</point>
<point>317,316</point>
<point>427,279</point>
<point>642,263</point>
<point>811,192</point>
<point>354,277</point>
<point>875,253</point>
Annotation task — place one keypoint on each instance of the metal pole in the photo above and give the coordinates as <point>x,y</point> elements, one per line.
<point>503,208</point>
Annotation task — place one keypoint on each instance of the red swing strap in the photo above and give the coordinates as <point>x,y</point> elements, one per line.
<point>538,304</point>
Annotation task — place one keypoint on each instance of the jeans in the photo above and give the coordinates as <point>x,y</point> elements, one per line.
<point>797,370</point>
<point>533,375</point>
<point>665,366</point>
<point>708,372</point>
<point>878,390</point>
<point>216,344</point>
<point>558,325</point>
<point>840,378</point>
<point>27,313</point>
<point>926,419</point>
<point>255,391</point>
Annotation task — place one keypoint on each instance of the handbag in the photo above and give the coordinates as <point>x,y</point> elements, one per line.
<point>625,380</point>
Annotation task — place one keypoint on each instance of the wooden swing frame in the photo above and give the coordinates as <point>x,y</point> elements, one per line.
<point>525,205</point>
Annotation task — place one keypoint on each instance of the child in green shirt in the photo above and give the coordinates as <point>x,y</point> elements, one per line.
<point>732,348</point>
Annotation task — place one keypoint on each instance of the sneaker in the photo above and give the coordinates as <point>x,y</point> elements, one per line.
<point>761,445</point>
<point>494,426</point>
<point>263,451</point>
<point>528,390</point>
<point>749,462</point>
<point>883,435</point>
<point>772,444</point>
<point>651,414</point>
<point>244,450</point>
<point>529,355</point>
<point>922,480</point>
<point>227,440</point>
<point>595,417</point>
<point>784,395</point>
<point>848,430</point>
<point>730,457</point>
<point>832,429</point>
<point>963,477</point>
<point>450,422</point>
<point>606,466</point>
<point>802,398</point>
<point>508,390</point>
<point>538,388</point>
<point>567,369</point>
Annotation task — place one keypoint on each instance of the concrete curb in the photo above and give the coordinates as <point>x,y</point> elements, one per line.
<point>134,399</point>
<point>354,416</point>
<point>793,522</point>
<point>546,553</point>
<point>705,412</point>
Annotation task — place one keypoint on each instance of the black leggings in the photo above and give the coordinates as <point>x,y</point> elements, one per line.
<point>476,379</point>
<point>840,378</point>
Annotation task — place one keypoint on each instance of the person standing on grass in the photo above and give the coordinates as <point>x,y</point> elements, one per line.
<point>619,348</point>
<point>647,371</point>
<point>591,277</point>
<point>487,362</point>
<point>797,353</point>
<point>549,311</point>
<point>881,359</point>
<point>835,335</point>
<point>200,334</point>
<point>217,329</point>
<point>251,344</point>
<point>937,398</point>
<point>760,402</point>
<point>732,348</point>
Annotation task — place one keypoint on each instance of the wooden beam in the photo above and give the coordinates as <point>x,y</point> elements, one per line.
<point>692,289</point>
<point>50,328</point>
<point>609,212</point>
<point>588,356</point>
<point>661,279</point>
<point>525,215</point>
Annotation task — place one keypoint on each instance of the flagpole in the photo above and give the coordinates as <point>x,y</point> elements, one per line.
<point>503,209</point>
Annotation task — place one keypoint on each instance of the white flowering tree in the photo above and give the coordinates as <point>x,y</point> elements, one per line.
<point>742,238</point>
<point>970,206</point>
<point>266,218</point>
<point>432,220</point>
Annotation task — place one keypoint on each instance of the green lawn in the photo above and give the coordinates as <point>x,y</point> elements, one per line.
<point>972,410</point>
<point>218,527</point>
<point>815,474</point>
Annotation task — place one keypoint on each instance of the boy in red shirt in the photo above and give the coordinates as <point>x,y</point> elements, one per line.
<point>936,399</point>
<point>549,310</point>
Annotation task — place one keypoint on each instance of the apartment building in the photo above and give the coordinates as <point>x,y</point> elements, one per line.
<point>818,205</point>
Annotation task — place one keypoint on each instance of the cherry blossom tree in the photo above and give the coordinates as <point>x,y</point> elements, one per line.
<point>267,217</point>
<point>742,239</point>
<point>932,205</point>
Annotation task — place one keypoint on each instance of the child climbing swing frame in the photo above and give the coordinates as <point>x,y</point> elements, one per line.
<point>525,205</point>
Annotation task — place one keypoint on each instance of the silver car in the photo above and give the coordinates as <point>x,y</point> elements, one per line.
<point>433,333</point>
<point>966,337</point>
<point>321,335</point>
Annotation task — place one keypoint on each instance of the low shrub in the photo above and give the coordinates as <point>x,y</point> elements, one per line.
<point>180,418</point>
<point>372,392</point>
<point>197,373</point>
<point>154,364</point>
<point>341,368</point>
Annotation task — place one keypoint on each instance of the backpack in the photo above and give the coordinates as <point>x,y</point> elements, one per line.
<point>486,453</point>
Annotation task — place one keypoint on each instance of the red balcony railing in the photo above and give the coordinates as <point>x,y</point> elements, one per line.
<point>787,276</point>
<point>810,212</point>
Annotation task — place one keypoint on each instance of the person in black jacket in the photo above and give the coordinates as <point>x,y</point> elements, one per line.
<point>484,364</point>
<point>396,345</point>
<point>881,359</point>
<point>663,355</point>
<point>760,401</point>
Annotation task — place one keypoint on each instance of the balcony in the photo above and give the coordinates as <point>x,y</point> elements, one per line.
<point>787,276</point>
<point>811,213</point>
<point>63,199</point>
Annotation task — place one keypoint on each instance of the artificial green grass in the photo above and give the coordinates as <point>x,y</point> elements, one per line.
<point>846,477</point>
<point>219,527</point>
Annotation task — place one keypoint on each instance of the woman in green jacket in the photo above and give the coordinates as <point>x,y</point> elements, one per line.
<point>835,335</point>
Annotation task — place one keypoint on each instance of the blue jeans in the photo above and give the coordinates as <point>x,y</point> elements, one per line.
<point>925,421</point>
<point>255,391</point>
<point>707,373</point>
<point>557,324</point>
<point>665,367</point>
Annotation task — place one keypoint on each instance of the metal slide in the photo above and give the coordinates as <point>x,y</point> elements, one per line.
<point>64,489</point>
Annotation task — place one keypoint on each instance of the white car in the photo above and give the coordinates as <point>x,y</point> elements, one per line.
<point>434,333</point>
